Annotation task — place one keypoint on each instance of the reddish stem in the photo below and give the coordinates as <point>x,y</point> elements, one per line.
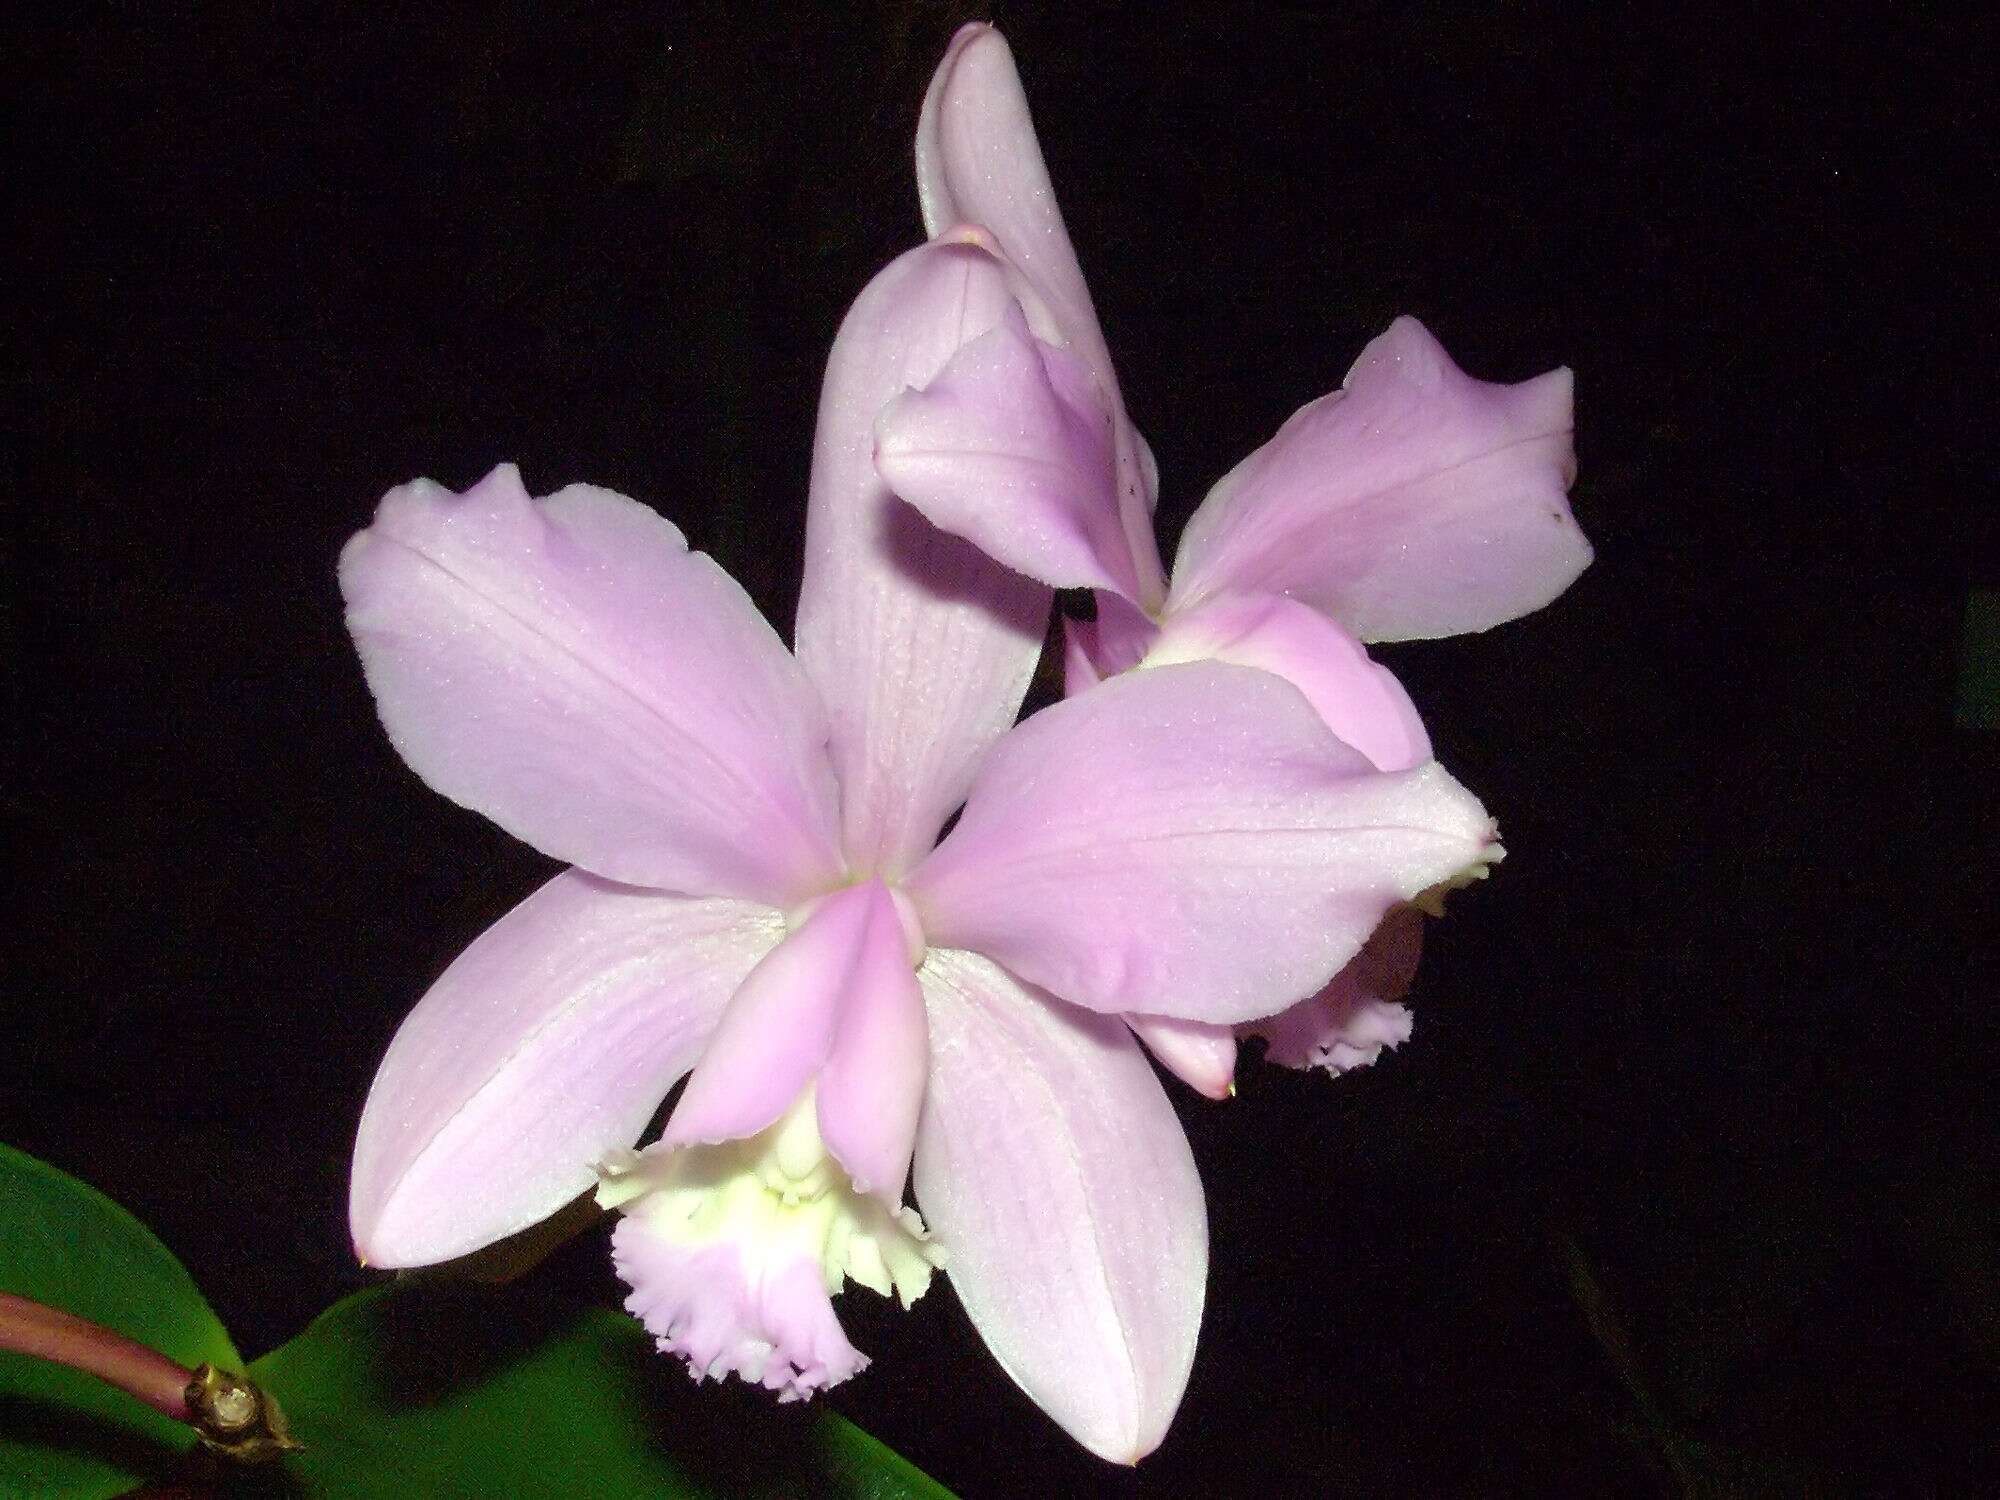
<point>44,1332</point>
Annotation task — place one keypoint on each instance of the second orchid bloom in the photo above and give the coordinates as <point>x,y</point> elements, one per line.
<point>1414,502</point>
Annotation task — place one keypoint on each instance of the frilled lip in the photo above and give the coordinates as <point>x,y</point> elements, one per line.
<point>769,1323</point>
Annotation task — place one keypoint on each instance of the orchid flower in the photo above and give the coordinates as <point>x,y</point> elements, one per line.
<point>760,903</point>
<point>1412,503</point>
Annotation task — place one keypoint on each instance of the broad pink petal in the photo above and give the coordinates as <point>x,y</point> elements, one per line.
<point>1188,841</point>
<point>1347,1024</point>
<point>1051,1165</point>
<point>920,644</point>
<point>1415,502</point>
<point>568,668</point>
<point>1361,702</point>
<point>978,162</point>
<point>731,1309</point>
<point>547,1043</point>
<point>873,1082</point>
<point>1200,1054</point>
<point>1010,448</point>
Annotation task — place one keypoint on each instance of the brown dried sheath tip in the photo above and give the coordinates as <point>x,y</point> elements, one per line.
<point>233,1416</point>
<point>236,1418</point>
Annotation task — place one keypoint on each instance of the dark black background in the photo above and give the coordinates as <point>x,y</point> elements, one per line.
<point>1699,1087</point>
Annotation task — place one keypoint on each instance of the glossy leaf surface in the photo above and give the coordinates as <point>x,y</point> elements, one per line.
<point>460,1391</point>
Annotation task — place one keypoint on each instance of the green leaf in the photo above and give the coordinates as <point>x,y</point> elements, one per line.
<point>64,1433</point>
<point>443,1390</point>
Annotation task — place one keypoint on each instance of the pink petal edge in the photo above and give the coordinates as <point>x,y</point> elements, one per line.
<point>1348,1024</point>
<point>1355,1017</point>
<point>1188,841</point>
<point>1010,448</point>
<point>872,1085</point>
<point>779,1026</point>
<point>547,1043</point>
<point>1413,503</point>
<point>1200,1054</point>
<point>1361,702</point>
<point>568,668</point>
<point>1051,1163</point>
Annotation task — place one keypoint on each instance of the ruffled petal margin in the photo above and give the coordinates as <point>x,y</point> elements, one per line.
<point>1351,1022</point>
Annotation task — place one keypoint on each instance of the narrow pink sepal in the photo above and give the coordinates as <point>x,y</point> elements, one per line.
<point>1415,502</point>
<point>1200,1054</point>
<point>978,162</point>
<point>1361,702</point>
<point>1051,1164</point>
<point>921,645</point>
<point>1349,1023</point>
<point>568,668</point>
<point>1188,841</point>
<point>1010,448</point>
<point>731,1309</point>
<point>872,1084</point>
<point>547,1043</point>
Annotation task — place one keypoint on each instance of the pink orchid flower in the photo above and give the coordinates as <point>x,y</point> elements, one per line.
<point>760,903</point>
<point>1412,503</point>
